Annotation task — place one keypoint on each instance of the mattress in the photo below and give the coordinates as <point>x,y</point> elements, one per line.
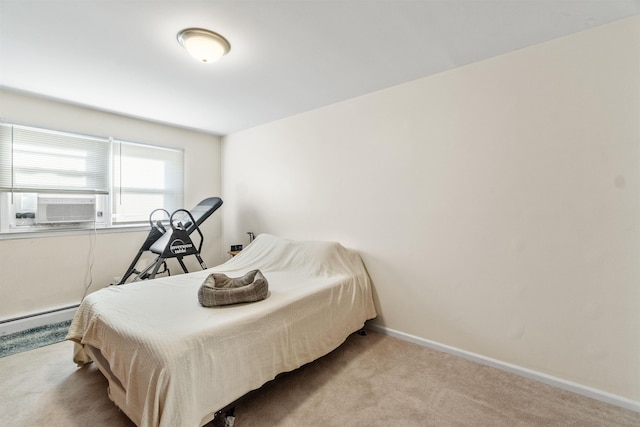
<point>169,361</point>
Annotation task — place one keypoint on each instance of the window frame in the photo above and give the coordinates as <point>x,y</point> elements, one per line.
<point>105,219</point>
<point>174,194</point>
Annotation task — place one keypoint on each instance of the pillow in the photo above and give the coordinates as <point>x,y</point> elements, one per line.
<point>220,289</point>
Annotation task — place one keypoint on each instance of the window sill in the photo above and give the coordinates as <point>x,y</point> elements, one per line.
<point>70,231</point>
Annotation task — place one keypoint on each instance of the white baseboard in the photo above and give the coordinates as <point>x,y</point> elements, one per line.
<point>40,319</point>
<point>580,389</point>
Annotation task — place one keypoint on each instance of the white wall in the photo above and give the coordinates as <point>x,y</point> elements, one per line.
<point>39,274</point>
<point>496,206</point>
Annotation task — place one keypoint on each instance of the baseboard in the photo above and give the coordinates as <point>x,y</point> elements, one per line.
<point>23,323</point>
<point>580,389</point>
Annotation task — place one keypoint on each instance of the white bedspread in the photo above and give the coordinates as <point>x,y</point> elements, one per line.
<point>172,362</point>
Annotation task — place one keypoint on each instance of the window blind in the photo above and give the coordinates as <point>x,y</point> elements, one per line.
<point>145,178</point>
<point>40,160</point>
<point>6,175</point>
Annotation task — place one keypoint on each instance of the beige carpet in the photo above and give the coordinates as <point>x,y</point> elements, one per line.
<point>375,380</point>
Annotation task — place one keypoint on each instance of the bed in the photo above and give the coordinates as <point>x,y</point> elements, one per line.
<point>170,361</point>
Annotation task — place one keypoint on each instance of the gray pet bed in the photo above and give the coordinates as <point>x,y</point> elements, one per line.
<point>220,289</point>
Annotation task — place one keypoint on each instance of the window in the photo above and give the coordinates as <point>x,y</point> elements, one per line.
<point>60,180</point>
<point>145,176</point>
<point>47,161</point>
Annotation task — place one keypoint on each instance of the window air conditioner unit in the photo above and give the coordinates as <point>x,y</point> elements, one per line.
<point>64,208</point>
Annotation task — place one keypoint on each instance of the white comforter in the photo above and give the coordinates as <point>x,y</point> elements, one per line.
<point>172,362</point>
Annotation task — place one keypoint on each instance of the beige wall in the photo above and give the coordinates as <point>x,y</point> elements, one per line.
<point>496,206</point>
<point>39,274</point>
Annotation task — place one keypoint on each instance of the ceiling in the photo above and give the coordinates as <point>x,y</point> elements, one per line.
<point>286,57</point>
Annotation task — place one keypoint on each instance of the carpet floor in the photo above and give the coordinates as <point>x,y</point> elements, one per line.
<point>372,380</point>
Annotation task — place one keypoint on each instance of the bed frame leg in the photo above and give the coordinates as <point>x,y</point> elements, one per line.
<point>224,418</point>
<point>230,417</point>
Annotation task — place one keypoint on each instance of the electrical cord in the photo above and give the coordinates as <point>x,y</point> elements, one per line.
<point>91,259</point>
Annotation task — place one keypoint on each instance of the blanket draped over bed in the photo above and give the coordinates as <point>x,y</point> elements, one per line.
<point>172,362</point>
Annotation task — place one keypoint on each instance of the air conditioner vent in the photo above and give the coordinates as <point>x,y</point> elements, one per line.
<point>56,209</point>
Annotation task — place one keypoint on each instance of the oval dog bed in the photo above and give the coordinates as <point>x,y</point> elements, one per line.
<point>220,289</point>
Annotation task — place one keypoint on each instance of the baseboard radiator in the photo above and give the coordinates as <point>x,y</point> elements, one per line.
<point>35,320</point>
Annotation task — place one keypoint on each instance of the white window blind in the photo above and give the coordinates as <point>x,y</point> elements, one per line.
<point>145,178</point>
<point>39,160</point>
<point>6,160</point>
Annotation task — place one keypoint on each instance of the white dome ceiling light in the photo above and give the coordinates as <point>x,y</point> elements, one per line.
<point>204,45</point>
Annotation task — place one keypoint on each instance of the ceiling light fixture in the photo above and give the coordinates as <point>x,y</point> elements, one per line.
<point>204,45</point>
